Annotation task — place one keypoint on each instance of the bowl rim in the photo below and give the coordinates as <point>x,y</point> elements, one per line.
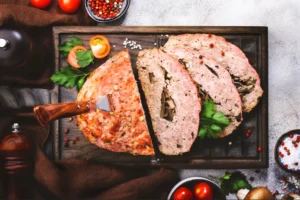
<point>92,15</point>
<point>192,179</point>
<point>276,151</point>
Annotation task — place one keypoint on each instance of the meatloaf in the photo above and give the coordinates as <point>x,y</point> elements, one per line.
<point>172,99</point>
<point>124,129</point>
<point>214,83</point>
<point>227,55</point>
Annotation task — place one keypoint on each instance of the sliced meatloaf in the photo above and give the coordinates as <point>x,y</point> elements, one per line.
<point>124,129</point>
<point>228,55</point>
<point>172,99</point>
<point>214,83</point>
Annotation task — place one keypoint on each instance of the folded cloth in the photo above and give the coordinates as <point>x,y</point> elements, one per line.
<point>37,24</point>
<point>82,179</point>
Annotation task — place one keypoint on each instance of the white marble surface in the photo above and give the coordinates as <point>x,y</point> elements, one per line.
<point>282,17</point>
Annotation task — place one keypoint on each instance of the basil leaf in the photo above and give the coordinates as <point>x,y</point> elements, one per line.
<point>231,183</point>
<point>84,58</point>
<point>226,176</point>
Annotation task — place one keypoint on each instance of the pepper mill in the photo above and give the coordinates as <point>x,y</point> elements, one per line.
<point>17,161</point>
<point>21,57</point>
<point>17,49</point>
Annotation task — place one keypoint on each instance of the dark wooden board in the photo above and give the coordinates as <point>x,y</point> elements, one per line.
<point>242,153</point>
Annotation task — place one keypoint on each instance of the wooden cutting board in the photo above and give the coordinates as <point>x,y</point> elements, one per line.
<point>234,151</point>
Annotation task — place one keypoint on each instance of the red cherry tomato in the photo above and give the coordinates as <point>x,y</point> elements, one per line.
<point>203,191</point>
<point>72,59</point>
<point>69,6</point>
<point>41,4</point>
<point>183,193</point>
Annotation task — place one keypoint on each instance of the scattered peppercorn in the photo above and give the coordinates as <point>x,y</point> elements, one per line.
<point>223,53</point>
<point>296,145</point>
<point>66,131</point>
<point>66,140</point>
<point>296,163</point>
<point>66,144</point>
<point>76,138</point>
<point>291,136</point>
<point>286,166</point>
<point>282,143</point>
<point>209,35</point>
<point>259,149</point>
<point>211,45</point>
<point>201,62</point>
<point>73,142</point>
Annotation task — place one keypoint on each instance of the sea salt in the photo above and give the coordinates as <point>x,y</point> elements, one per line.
<point>132,44</point>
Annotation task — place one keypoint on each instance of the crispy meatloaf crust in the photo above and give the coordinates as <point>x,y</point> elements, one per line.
<point>214,83</point>
<point>172,99</point>
<point>125,129</point>
<point>229,56</point>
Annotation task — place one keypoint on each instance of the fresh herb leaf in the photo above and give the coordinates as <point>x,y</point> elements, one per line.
<point>84,58</point>
<point>68,77</point>
<point>208,109</point>
<point>81,82</point>
<point>232,183</point>
<point>220,118</point>
<point>66,47</point>
<point>202,132</point>
<point>212,121</point>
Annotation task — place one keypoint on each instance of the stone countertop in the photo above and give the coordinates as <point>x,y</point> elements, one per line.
<point>282,20</point>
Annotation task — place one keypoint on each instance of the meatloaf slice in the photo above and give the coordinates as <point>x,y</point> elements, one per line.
<point>124,129</point>
<point>214,83</point>
<point>172,99</point>
<point>228,55</point>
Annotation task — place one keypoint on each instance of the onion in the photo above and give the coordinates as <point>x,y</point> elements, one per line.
<point>260,193</point>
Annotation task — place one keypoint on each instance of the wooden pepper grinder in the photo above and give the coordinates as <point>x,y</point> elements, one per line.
<point>17,161</point>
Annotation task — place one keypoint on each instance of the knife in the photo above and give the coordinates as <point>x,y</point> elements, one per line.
<point>49,112</point>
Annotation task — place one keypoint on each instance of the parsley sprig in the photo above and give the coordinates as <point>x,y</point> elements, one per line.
<point>212,121</point>
<point>84,58</point>
<point>66,47</point>
<point>233,182</point>
<point>69,77</point>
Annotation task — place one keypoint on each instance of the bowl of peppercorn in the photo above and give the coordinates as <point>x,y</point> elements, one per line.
<point>106,10</point>
<point>287,152</point>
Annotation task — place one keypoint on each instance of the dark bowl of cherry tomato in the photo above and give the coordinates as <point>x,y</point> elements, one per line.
<point>106,10</point>
<point>196,188</point>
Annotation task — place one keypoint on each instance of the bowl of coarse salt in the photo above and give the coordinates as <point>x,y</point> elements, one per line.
<point>287,151</point>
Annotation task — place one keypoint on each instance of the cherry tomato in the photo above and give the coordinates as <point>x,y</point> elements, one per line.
<point>203,191</point>
<point>183,193</point>
<point>72,60</point>
<point>100,46</point>
<point>69,6</point>
<point>41,4</point>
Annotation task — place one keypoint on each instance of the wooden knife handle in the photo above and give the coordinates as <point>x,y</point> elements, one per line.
<point>50,112</point>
